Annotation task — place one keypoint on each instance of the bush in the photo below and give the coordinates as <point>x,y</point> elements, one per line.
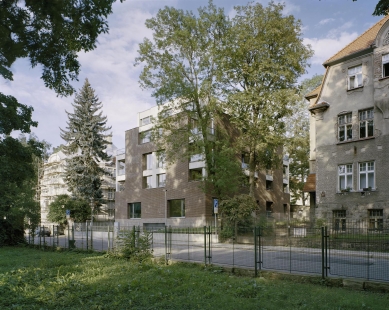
<point>133,245</point>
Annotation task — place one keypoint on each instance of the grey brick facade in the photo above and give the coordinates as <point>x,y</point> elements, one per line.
<point>348,146</point>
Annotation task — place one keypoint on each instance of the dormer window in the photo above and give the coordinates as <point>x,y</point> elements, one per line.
<point>355,77</point>
<point>385,65</point>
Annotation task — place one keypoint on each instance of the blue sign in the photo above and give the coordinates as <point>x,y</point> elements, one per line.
<point>68,212</point>
<point>215,205</point>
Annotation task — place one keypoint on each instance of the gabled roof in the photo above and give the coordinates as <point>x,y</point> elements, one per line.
<point>314,93</point>
<point>364,41</point>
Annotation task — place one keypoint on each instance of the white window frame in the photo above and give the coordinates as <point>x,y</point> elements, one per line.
<point>385,65</point>
<point>365,169</point>
<point>354,77</point>
<point>161,180</point>
<point>345,173</point>
<point>145,121</point>
<point>148,161</point>
<point>345,125</point>
<point>161,159</point>
<point>366,117</point>
<point>145,136</point>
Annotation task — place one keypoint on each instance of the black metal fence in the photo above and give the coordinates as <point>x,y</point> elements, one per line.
<point>357,252</point>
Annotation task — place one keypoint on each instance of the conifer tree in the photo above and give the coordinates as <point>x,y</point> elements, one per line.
<point>86,146</point>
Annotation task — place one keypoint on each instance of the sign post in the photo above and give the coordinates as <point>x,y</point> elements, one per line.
<point>215,211</point>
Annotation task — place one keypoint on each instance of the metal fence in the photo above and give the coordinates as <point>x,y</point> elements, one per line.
<point>357,252</point>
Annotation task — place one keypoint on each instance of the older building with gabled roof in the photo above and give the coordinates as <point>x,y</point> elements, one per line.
<point>349,133</point>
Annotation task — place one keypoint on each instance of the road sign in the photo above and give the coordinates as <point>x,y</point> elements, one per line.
<point>67,214</point>
<point>215,205</point>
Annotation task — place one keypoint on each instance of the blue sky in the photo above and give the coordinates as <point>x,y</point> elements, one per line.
<point>328,26</point>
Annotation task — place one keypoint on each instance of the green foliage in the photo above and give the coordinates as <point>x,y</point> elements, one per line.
<point>180,68</point>
<point>238,210</point>
<point>33,279</point>
<point>133,245</point>
<point>80,210</point>
<point>262,57</point>
<point>382,8</point>
<point>51,35</point>
<point>86,146</point>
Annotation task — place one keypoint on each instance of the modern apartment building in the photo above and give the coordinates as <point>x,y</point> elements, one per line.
<point>149,193</point>
<point>53,184</point>
<point>349,133</point>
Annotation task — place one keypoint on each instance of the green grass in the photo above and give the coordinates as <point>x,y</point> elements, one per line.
<point>34,279</point>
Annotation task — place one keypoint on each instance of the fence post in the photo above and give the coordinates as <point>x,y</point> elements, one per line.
<point>368,254</point>
<point>255,252</point>
<point>87,243</point>
<point>322,252</point>
<point>205,245</point>
<point>326,236</point>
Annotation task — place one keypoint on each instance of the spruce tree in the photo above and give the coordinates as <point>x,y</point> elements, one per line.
<point>86,146</point>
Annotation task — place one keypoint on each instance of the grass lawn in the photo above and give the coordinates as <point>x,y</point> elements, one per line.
<point>33,279</point>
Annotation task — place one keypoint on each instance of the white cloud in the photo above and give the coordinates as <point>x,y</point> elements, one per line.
<point>329,46</point>
<point>326,21</point>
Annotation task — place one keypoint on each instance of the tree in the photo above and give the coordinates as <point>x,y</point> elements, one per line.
<point>50,34</point>
<point>297,134</point>
<point>180,67</point>
<point>79,210</point>
<point>262,57</point>
<point>86,145</point>
<point>237,210</point>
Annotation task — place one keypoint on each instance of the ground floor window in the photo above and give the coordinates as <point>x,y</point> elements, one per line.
<point>339,220</point>
<point>176,208</point>
<point>134,210</point>
<point>376,219</point>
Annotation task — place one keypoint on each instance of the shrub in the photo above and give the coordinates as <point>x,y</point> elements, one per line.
<point>133,245</point>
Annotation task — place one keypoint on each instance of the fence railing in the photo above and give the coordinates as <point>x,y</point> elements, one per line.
<point>354,252</point>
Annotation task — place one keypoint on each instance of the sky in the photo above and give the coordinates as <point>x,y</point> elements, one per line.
<point>328,26</point>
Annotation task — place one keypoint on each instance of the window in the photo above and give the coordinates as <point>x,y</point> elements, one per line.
<point>245,161</point>
<point>111,194</point>
<point>196,174</point>
<point>147,181</point>
<point>269,184</point>
<point>366,175</point>
<point>269,208</point>
<point>366,123</point>
<point>121,167</point>
<point>345,131</point>
<point>285,188</point>
<point>134,210</point>
<point>345,175</point>
<point>161,158</point>
<point>148,161</point>
<point>161,179</point>
<point>177,208</point>
<point>145,136</point>
<point>145,121</point>
<point>385,65</point>
<point>355,77</point>
<point>376,219</point>
<point>339,220</point>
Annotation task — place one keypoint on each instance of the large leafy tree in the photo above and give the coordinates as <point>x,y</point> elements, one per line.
<point>262,58</point>
<point>17,173</point>
<point>180,67</point>
<point>297,133</point>
<point>86,146</point>
<point>50,33</point>
<point>79,210</point>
